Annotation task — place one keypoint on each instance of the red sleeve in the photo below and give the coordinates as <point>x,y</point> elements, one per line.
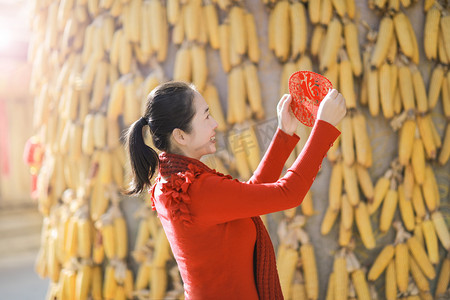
<point>218,199</point>
<point>271,165</point>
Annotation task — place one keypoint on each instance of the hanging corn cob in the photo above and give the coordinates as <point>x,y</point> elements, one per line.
<point>346,84</point>
<point>418,252</point>
<point>358,277</point>
<point>280,30</point>
<point>309,266</point>
<point>224,35</point>
<point>431,33</point>
<point>352,46</point>
<point>253,90</point>
<point>341,276</point>
<point>212,99</point>
<point>445,25</point>
<point>373,92</point>
<point>406,208</point>
<point>403,34</point>
<point>363,147</point>
<point>287,256</point>
<point>444,278</point>
<point>332,43</point>
<point>299,28</point>
<point>389,207</point>
<point>252,38</point>
<point>390,281</point>
<point>384,37</point>
<point>314,11</point>
<point>381,262</point>
<point>362,221</point>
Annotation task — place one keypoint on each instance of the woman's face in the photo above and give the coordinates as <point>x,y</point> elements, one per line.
<point>201,140</point>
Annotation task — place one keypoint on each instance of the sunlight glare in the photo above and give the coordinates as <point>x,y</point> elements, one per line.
<point>5,40</point>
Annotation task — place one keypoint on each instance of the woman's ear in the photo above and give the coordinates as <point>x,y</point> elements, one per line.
<point>179,136</point>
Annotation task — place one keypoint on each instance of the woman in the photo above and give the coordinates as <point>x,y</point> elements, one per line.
<point>212,222</point>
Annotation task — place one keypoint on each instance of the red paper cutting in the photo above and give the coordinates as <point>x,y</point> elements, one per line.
<point>307,90</point>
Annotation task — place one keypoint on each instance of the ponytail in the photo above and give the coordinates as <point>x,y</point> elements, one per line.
<point>144,160</point>
<point>169,106</point>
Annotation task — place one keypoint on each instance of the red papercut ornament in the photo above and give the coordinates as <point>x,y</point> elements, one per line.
<point>307,90</point>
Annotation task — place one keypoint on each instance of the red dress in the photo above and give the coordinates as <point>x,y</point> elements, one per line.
<point>207,217</point>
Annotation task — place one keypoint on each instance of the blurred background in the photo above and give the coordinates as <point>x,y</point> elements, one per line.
<point>20,220</point>
<point>74,75</point>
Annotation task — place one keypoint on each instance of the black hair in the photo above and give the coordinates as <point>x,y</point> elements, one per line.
<point>169,106</point>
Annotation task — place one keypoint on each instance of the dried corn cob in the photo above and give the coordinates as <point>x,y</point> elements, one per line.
<point>299,29</point>
<point>420,256</point>
<point>364,226</point>
<point>431,241</point>
<point>314,8</point>
<point>332,42</point>
<point>385,35</point>
<point>406,141</point>
<point>389,207</point>
<point>402,266</point>
<point>381,188</point>
<point>406,209</point>
<point>431,33</point>
<point>441,229</point>
<point>444,278</point>
<point>335,188</point>
<point>381,262</point>
<point>418,161</point>
<point>365,182</point>
<point>340,278</point>
<point>434,88</point>
<point>346,85</point>
<point>390,282</point>
<point>347,142</point>
<point>402,31</point>
<point>252,38</point>
<point>418,276</point>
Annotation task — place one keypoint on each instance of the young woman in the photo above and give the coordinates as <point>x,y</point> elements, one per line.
<point>212,222</point>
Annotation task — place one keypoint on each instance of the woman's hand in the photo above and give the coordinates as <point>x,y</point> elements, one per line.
<point>287,122</point>
<point>332,109</point>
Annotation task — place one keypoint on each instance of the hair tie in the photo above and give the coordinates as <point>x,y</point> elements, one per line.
<point>143,121</point>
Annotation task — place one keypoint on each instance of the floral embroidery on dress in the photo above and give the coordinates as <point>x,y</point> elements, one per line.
<point>181,173</point>
<point>175,191</point>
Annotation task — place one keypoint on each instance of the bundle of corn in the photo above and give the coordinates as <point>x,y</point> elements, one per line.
<point>359,287</point>
<point>339,203</point>
<point>85,93</point>
<point>243,80</point>
<point>351,155</point>
<point>296,261</point>
<point>308,266</point>
<point>407,256</point>
<point>288,31</point>
<point>435,39</point>
<point>339,284</point>
<point>91,62</point>
<point>387,82</point>
<point>235,38</point>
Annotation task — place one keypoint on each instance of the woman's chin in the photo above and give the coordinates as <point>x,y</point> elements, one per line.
<point>213,149</point>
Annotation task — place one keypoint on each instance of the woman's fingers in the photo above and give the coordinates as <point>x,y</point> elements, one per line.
<point>281,103</point>
<point>332,94</point>
<point>332,109</point>
<point>282,100</point>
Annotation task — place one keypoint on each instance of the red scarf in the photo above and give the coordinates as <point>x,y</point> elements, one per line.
<point>175,167</point>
